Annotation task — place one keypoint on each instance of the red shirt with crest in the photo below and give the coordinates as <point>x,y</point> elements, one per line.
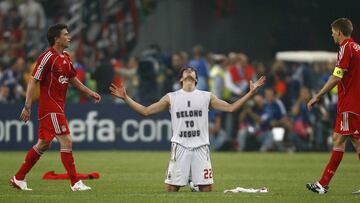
<point>54,71</point>
<point>348,59</point>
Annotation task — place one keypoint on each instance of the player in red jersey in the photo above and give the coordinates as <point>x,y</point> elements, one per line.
<point>54,71</point>
<point>346,76</point>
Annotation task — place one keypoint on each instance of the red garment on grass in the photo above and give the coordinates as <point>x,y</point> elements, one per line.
<point>51,175</point>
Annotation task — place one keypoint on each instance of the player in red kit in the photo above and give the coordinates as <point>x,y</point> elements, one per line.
<point>54,71</point>
<point>346,76</point>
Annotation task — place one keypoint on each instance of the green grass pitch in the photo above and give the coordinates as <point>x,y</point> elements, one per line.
<point>139,177</point>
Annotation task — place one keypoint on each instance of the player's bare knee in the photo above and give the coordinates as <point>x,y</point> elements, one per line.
<point>42,146</point>
<point>205,188</point>
<point>65,142</point>
<point>67,146</point>
<point>357,149</point>
<point>39,150</point>
<point>356,145</point>
<point>172,188</point>
<point>46,147</point>
<point>339,142</point>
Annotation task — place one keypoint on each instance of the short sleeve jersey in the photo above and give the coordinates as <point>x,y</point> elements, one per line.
<point>53,70</point>
<point>189,117</point>
<point>348,59</point>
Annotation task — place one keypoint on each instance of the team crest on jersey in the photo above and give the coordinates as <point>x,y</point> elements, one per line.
<point>63,128</point>
<point>63,79</point>
<point>356,47</point>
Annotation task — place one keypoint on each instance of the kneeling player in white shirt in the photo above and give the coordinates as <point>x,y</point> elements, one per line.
<point>190,154</point>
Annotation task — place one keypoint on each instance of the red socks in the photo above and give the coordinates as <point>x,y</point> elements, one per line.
<point>31,158</point>
<point>68,162</point>
<point>330,169</point>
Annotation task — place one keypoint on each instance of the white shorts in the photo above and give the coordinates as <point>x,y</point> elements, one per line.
<point>188,164</point>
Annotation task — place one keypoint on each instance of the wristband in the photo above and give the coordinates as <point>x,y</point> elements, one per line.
<point>27,108</point>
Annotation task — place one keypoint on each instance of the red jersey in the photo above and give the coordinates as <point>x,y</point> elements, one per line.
<point>54,72</point>
<point>348,59</point>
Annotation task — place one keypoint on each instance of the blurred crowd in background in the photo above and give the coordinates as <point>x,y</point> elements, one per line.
<point>276,119</point>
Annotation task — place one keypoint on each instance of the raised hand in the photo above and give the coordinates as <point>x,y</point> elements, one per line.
<point>118,92</point>
<point>260,82</point>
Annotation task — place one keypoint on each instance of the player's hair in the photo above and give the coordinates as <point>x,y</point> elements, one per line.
<point>344,25</point>
<point>185,68</point>
<point>55,31</point>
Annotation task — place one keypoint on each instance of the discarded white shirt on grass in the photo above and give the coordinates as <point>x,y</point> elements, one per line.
<point>247,190</point>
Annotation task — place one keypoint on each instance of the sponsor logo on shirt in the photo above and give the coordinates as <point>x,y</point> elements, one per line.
<point>63,79</point>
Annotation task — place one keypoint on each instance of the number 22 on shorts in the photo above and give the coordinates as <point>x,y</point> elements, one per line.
<point>207,173</point>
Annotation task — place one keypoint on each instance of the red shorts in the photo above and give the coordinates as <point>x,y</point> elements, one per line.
<point>51,125</point>
<point>348,124</point>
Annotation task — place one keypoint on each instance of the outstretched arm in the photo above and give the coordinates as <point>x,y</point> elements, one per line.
<point>222,105</point>
<point>331,83</point>
<point>75,82</point>
<point>156,107</point>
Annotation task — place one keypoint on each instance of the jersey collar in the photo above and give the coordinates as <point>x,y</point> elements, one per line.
<point>346,41</point>
<point>182,90</point>
<point>55,53</point>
